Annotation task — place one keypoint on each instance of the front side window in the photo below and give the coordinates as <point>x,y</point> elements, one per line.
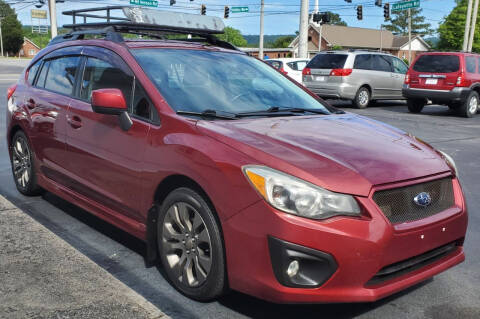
<point>99,74</point>
<point>61,74</point>
<point>399,66</point>
<point>196,81</point>
<point>471,64</point>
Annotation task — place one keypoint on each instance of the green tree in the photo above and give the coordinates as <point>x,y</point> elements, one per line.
<point>399,23</point>
<point>283,41</point>
<point>452,29</point>
<point>233,36</point>
<point>12,34</point>
<point>335,19</point>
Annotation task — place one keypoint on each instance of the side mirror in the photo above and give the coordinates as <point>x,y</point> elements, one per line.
<point>108,101</point>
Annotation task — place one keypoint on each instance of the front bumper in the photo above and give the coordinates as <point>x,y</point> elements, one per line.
<point>359,247</point>
<point>458,94</point>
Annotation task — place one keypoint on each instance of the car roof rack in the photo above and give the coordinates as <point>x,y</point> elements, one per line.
<point>142,21</point>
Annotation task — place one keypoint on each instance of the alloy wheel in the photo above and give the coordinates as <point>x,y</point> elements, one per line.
<point>21,159</point>
<point>186,244</point>
<point>363,97</point>
<point>473,105</point>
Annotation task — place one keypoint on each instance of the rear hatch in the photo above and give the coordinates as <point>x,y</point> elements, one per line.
<point>325,68</point>
<point>439,71</point>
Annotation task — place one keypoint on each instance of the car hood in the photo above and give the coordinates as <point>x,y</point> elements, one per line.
<point>343,153</point>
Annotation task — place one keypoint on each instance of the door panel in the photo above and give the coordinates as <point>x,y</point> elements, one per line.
<point>382,80</point>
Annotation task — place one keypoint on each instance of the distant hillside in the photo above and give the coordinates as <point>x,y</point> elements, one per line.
<point>253,40</point>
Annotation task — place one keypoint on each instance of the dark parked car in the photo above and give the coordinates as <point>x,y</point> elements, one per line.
<point>234,175</point>
<point>448,78</point>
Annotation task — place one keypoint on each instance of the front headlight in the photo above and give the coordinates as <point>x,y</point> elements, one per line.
<point>295,196</point>
<point>449,161</point>
<point>11,105</point>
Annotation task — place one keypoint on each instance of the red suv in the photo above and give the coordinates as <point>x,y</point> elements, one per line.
<point>450,78</point>
<point>233,174</point>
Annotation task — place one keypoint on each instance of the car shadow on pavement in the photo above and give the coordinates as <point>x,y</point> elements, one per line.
<point>256,308</point>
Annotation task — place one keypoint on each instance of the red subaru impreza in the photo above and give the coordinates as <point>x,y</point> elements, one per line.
<point>234,175</point>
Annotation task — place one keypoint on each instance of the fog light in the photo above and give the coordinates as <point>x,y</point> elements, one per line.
<point>293,268</point>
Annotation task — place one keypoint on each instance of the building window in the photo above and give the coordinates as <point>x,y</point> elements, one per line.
<point>309,38</point>
<point>31,52</point>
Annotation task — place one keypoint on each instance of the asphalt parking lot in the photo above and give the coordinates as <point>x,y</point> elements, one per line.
<point>452,294</point>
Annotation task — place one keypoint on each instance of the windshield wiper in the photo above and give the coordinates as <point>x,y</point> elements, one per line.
<point>211,114</point>
<point>281,111</point>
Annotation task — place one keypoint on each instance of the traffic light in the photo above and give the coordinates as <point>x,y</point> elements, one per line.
<point>317,17</point>
<point>360,12</point>
<point>378,3</point>
<point>386,11</point>
<point>172,2</point>
<point>204,9</point>
<point>326,17</point>
<point>227,12</point>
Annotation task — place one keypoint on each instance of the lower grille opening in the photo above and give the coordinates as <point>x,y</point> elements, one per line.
<point>400,268</point>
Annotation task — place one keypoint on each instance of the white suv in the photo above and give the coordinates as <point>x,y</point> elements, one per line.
<point>292,67</point>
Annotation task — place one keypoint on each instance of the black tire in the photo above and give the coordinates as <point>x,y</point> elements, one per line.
<point>22,160</point>
<point>173,245</point>
<point>415,105</point>
<point>470,107</point>
<point>362,98</point>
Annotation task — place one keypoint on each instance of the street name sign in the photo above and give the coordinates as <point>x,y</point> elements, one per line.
<point>239,9</point>
<point>146,3</point>
<point>39,14</point>
<point>400,6</point>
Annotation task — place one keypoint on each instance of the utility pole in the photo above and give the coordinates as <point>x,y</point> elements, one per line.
<point>1,38</point>
<point>381,37</point>
<point>52,8</point>
<point>472,28</point>
<point>320,26</point>
<point>409,36</point>
<point>467,26</point>
<point>303,30</point>
<point>260,52</point>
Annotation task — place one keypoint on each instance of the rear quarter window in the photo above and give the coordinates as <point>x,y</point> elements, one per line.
<point>32,72</point>
<point>471,64</point>
<point>363,62</point>
<point>437,64</point>
<point>328,61</point>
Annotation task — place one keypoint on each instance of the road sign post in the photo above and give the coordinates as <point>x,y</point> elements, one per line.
<point>400,6</point>
<point>145,3</point>
<point>239,9</point>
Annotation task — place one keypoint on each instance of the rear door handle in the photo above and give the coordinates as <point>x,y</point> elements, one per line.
<point>31,104</point>
<point>75,122</point>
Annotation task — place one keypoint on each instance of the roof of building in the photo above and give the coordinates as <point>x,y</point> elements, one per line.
<point>25,39</point>
<point>353,37</point>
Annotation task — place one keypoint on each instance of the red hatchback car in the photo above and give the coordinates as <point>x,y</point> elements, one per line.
<point>449,78</point>
<point>234,175</point>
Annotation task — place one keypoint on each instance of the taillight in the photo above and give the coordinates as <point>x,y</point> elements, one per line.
<point>461,80</point>
<point>341,72</point>
<point>306,71</point>
<point>282,70</point>
<point>407,78</point>
<point>10,91</point>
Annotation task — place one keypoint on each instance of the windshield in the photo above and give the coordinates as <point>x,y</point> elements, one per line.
<point>195,80</point>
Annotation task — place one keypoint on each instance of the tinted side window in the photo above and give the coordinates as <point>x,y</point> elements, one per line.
<point>61,74</point>
<point>363,62</point>
<point>399,66</point>
<point>99,74</point>
<point>275,64</point>
<point>470,64</point>
<point>141,105</point>
<point>43,74</point>
<point>33,71</point>
<point>381,63</point>
<point>437,63</point>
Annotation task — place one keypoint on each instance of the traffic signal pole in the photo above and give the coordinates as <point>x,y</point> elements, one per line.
<point>52,8</point>
<point>303,30</point>
<point>260,51</point>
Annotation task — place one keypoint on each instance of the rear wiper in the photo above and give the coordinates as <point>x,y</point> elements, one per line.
<point>211,114</point>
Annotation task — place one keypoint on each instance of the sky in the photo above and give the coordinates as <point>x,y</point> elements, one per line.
<point>281,16</point>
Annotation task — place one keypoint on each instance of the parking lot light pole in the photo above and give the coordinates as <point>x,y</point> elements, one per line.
<point>472,28</point>
<point>467,26</point>
<point>52,8</point>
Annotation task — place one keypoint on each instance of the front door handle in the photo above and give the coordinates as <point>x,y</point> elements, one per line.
<point>75,122</point>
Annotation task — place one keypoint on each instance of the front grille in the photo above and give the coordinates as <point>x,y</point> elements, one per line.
<point>411,264</point>
<point>399,207</point>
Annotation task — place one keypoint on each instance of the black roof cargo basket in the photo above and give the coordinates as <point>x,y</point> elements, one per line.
<point>142,21</point>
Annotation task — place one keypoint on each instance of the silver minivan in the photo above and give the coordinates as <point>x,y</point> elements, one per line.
<point>360,76</point>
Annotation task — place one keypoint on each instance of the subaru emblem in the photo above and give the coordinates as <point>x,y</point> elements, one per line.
<point>423,199</point>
